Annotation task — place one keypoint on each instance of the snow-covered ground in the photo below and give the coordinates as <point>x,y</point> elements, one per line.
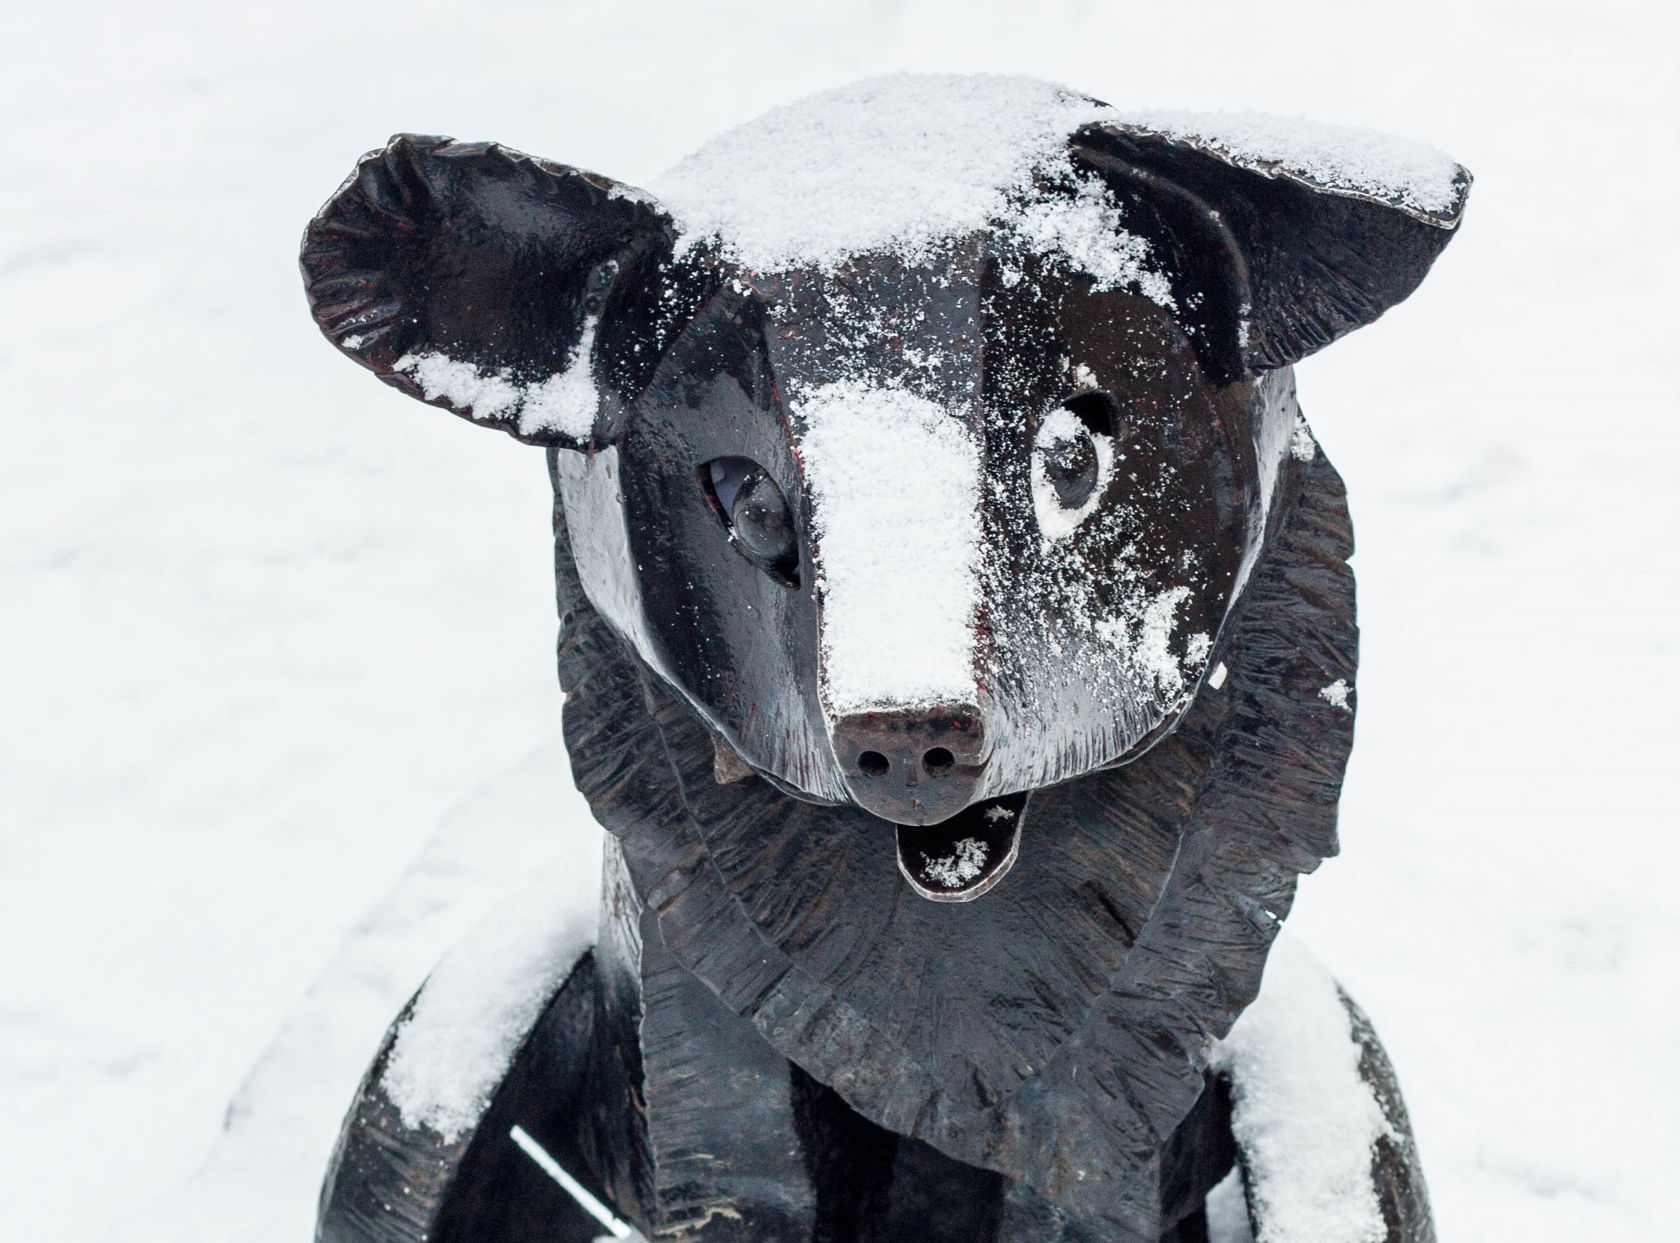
<point>267,629</point>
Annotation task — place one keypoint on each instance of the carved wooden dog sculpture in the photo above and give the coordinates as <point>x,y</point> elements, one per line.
<point>957,640</point>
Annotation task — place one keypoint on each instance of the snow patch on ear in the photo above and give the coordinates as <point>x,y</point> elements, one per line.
<point>1342,158</point>
<point>895,488</point>
<point>1304,1117</point>
<point>563,406</point>
<point>489,395</point>
<point>477,1007</point>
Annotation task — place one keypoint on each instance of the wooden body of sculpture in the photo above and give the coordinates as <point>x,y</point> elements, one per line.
<point>957,640</point>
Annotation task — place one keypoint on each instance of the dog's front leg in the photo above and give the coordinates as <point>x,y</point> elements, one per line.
<point>691,1111</point>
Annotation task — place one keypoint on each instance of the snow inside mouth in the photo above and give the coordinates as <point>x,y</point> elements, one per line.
<point>961,858</point>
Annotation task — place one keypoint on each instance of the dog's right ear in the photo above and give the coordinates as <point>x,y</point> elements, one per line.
<point>1279,254</point>
<point>471,276</point>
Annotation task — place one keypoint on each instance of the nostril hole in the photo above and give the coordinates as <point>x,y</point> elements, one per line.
<point>873,763</point>
<point>938,761</point>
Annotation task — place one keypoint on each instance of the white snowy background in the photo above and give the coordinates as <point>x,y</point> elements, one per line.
<point>279,715</point>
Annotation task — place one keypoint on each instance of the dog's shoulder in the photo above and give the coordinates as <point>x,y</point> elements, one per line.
<point>1322,1135</point>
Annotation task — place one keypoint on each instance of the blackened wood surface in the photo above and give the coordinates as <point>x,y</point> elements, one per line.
<point>1057,1029</point>
<point>876,1187</point>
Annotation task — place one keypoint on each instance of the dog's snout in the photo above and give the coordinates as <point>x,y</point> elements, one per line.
<point>913,766</point>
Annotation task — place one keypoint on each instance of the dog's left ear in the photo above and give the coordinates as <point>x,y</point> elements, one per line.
<point>471,276</point>
<point>1278,246</point>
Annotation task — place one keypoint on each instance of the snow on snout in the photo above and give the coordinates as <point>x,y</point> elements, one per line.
<point>895,488</point>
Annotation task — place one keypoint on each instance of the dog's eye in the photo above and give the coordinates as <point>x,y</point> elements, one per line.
<point>755,511</point>
<point>761,519</point>
<point>1073,459</point>
<point>1070,465</point>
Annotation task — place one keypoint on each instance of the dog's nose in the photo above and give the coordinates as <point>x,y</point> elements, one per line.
<point>912,766</point>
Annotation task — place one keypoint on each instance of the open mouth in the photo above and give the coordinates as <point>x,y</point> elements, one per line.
<point>959,859</point>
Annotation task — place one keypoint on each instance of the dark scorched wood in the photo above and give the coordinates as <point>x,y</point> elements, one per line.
<point>777,1037</point>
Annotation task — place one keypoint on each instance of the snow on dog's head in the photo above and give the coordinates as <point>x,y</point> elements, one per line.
<point>921,434</point>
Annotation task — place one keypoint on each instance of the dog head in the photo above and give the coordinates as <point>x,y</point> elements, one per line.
<point>922,434</point>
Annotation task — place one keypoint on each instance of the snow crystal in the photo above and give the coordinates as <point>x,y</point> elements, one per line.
<point>1058,427</point>
<point>1304,1118</point>
<point>999,812</point>
<point>1336,157</point>
<point>1336,694</point>
<point>564,404</point>
<point>453,1049</point>
<point>967,860</point>
<point>895,486</point>
<point>905,163</point>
